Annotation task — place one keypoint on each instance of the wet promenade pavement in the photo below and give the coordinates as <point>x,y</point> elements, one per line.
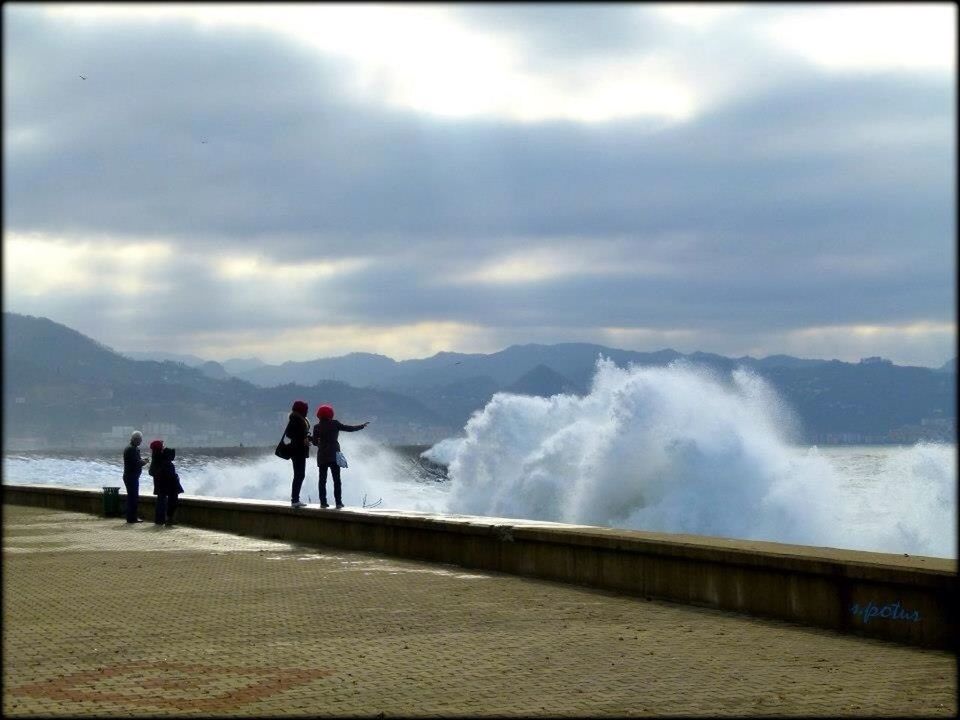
<point>108,619</point>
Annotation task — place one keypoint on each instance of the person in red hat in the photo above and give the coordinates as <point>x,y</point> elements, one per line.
<point>325,434</point>
<point>298,430</point>
<point>156,447</point>
<point>156,462</point>
<point>167,487</point>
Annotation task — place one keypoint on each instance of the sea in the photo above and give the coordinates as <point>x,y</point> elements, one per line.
<point>667,449</point>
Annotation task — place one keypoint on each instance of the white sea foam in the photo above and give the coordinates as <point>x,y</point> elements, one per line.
<point>907,501</point>
<point>444,451</point>
<point>679,449</point>
<point>377,476</point>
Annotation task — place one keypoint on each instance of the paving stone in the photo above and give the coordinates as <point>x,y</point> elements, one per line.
<point>106,619</point>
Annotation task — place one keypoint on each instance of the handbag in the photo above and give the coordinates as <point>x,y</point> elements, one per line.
<point>284,450</point>
<point>341,459</point>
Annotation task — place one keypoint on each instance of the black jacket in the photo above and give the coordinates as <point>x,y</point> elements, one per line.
<point>298,429</point>
<point>132,464</point>
<point>154,466</point>
<point>166,481</point>
<point>325,434</point>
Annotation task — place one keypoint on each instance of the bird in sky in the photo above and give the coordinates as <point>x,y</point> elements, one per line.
<point>203,142</point>
<point>82,77</point>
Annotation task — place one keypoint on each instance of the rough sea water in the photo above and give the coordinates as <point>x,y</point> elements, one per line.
<point>673,449</point>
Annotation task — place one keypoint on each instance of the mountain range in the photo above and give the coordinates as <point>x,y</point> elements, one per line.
<point>63,389</point>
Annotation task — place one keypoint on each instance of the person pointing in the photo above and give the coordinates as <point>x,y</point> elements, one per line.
<point>325,437</point>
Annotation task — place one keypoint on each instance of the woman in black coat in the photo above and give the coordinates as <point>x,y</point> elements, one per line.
<point>325,434</point>
<point>156,450</point>
<point>166,482</point>
<point>298,430</point>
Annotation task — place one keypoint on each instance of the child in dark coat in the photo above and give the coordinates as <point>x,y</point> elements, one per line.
<point>166,486</point>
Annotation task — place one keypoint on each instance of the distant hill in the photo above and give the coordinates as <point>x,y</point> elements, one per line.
<point>235,366</point>
<point>544,382</point>
<point>40,350</point>
<point>189,360</point>
<point>57,381</point>
<point>63,389</point>
<point>785,361</point>
<point>870,400</point>
<point>575,361</point>
<point>361,369</point>
<point>214,370</point>
<point>455,402</point>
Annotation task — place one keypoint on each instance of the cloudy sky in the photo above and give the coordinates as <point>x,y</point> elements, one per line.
<point>301,181</point>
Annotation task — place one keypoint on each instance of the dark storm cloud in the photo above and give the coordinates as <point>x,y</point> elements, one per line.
<point>755,294</point>
<point>767,189</point>
<point>124,150</point>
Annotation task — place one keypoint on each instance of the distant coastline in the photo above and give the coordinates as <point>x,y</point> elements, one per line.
<point>63,388</point>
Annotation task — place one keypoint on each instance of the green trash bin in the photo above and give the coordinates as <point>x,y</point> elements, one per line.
<point>111,502</point>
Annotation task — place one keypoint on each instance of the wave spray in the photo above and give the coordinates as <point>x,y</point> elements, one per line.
<point>681,449</point>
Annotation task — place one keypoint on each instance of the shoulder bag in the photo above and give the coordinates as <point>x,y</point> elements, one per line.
<point>284,450</point>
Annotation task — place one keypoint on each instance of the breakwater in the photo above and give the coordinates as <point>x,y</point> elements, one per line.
<point>901,598</point>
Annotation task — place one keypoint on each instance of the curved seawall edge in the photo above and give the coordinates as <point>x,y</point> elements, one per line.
<point>905,599</point>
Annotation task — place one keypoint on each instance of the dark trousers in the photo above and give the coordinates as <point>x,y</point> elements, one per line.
<point>133,497</point>
<point>166,507</point>
<point>299,472</point>
<point>335,472</point>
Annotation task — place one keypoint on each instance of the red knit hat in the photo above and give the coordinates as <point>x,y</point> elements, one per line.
<point>325,412</point>
<point>156,444</point>
<point>300,407</point>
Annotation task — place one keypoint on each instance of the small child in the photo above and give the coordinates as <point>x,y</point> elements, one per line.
<point>156,447</point>
<point>166,487</point>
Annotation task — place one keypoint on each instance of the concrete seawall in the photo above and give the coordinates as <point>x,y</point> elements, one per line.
<point>906,599</point>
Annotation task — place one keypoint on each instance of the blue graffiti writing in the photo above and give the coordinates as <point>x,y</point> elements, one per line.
<point>891,611</point>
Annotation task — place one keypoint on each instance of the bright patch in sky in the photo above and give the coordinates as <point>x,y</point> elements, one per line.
<point>540,264</point>
<point>699,16</point>
<point>250,267</point>
<point>400,342</point>
<point>910,343</point>
<point>865,37</point>
<point>36,265</point>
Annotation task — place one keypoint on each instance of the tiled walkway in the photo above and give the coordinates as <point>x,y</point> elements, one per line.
<point>105,618</point>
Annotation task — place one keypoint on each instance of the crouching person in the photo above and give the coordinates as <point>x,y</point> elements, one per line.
<point>166,486</point>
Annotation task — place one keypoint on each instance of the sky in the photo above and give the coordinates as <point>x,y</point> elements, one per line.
<point>291,182</point>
